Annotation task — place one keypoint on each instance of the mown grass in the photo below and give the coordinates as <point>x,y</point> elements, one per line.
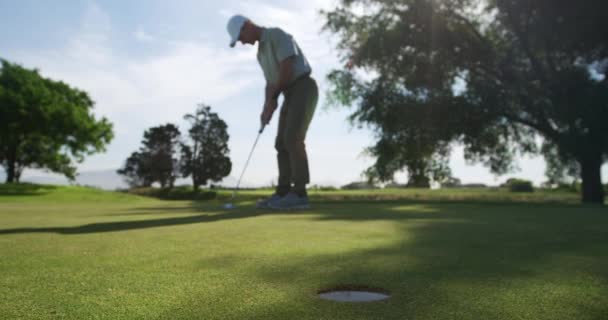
<point>77,253</point>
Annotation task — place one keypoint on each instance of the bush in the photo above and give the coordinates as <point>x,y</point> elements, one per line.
<point>395,185</point>
<point>358,186</point>
<point>519,185</point>
<point>569,187</point>
<point>451,182</point>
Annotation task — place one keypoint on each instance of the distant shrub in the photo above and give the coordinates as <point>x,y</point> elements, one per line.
<point>519,185</point>
<point>358,186</point>
<point>569,187</point>
<point>395,186</point>
<point>451,182</point>
<point>572,187</point>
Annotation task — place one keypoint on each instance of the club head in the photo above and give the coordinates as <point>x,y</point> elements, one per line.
<point>228,206</point>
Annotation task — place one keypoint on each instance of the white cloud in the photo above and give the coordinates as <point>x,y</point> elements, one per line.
<point>141,35</point>
<point>92,41</point>
<point>138,93</point>
<point>185,72</point>
<point>192,70</point>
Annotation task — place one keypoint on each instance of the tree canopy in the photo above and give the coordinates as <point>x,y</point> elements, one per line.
<point>165,155</point>
<point>491,75</point>
<point>206,157</point>
<point>46,124</point>
<point>157,159</point>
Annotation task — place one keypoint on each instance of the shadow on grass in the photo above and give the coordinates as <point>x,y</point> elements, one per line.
<point>137,224</point>
<point>325,210</point>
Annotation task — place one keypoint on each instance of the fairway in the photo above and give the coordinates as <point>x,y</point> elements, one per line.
<point>76,253</point>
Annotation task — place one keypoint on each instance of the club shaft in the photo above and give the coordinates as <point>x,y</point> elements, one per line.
<point>246,164</point>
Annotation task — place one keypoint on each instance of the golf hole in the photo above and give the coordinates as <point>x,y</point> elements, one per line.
<point>349,293</point>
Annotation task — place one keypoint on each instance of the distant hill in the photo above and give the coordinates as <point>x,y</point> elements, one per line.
<point>104,179</point>
<point>53,194</point>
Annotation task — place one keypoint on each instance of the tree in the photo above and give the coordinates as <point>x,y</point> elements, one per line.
<point>156,160</point>
<point>45,124</point>
<point>160,153</point>
<point>492,75</point>
<point>424,159</point>
<point>135,172</point>
<point>206,158</point>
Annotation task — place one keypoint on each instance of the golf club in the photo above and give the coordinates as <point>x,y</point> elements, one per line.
<point>231,205</point>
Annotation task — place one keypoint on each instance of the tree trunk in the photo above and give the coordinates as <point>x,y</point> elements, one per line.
<point>11,168</point>
<point>10,172</point>
<point>418,180</point>
<point>195,183</point>
<point>18,172</point>
<point>591,171</point>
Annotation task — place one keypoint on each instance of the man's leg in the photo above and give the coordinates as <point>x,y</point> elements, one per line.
<point>284,183</point>
<point>300,104</point>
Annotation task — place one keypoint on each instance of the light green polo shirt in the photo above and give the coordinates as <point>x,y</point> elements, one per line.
<point>276,45</point>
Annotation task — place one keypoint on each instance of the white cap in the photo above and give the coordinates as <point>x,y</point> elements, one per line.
<point>234,28</point>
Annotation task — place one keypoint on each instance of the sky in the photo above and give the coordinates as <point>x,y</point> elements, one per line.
<point>148,63</point>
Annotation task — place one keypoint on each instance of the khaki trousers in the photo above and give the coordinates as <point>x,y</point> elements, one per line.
<point>296,113</point>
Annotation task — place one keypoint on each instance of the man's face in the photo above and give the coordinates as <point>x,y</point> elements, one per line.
<point>247,35</point>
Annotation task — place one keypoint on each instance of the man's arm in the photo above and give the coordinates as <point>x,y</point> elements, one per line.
<point>269,93</point>
<point>285,74</point>
<point>273,92</point>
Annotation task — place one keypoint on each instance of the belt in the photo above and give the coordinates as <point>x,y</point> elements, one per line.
<point>293,83</point>
<point>300,77</point>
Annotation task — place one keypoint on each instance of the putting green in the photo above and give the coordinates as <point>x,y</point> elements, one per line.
<point>85,254</point>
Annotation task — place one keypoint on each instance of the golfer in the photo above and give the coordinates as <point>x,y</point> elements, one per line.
<point>287,72</point>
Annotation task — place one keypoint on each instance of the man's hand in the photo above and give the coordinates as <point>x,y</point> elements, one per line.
<point>269,108</point>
